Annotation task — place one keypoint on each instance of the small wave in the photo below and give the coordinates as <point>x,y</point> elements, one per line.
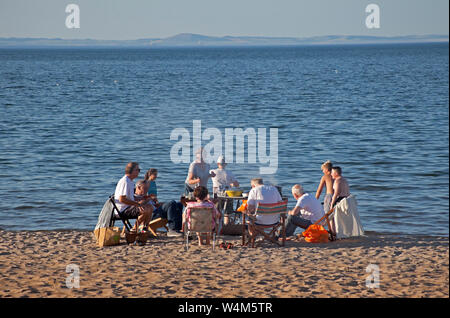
<point>15,87</point>
<point>24,207</point>
<point>373,188</point>
<point>86,203</point>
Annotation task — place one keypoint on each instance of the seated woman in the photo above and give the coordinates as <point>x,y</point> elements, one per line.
<point>150,177</point>
<point>170,210</point>
<point>326,181</point>
<point>201,195</point>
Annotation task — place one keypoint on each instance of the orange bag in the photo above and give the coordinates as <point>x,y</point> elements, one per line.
<point>243,206</point>
<point>316,233</point>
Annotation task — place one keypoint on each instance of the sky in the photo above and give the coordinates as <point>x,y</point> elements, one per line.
<point>135,19</point>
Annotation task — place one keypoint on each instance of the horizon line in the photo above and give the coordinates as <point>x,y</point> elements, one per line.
<point>232,36</point>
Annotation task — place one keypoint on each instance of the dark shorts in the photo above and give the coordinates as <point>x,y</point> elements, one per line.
<point>338,199</point>
<point>131,212</point>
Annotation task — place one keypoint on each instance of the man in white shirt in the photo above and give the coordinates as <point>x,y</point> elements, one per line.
<point>307,210</point>
<point>125,199</point>
<point>222,181</point>
<point>261,193</point>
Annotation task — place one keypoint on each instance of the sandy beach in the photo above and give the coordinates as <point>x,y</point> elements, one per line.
<point>33,264</point>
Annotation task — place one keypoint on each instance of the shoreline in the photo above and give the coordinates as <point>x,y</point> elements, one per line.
<point>34,264</point>
<point>367,233</point>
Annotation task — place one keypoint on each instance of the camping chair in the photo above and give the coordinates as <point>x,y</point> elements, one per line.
<point>153,225</point>
<point>118,216</point>
<point>199,220</point>
<point>330,228</point>
<point>267,209</point>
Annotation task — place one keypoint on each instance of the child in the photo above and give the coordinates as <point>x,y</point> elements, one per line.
<point>327,181</point>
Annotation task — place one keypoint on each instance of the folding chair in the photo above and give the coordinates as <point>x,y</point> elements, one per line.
<point>330,228</point>
<point>260,230</point>
<point>118,216</point>
<point>200,220</point>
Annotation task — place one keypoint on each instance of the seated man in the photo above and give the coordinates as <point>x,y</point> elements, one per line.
<point>307,210</point>
<point>125,199</point>
<point>172,211</point>
<point>261,193</point>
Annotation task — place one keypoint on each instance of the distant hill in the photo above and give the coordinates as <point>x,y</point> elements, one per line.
<point>197,40</point>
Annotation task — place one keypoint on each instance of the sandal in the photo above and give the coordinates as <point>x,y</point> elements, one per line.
<point>229,246</point>
<point>223,245</point>
<point>144,230</point>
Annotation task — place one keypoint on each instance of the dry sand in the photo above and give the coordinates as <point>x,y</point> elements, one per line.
<point>33,264</point>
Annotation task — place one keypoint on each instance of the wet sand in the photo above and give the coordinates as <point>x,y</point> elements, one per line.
<point>33,264</point>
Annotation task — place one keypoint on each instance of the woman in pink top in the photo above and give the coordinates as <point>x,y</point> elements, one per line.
<point>201,195</point>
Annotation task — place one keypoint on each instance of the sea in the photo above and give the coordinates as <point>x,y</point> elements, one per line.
<point>72,118</point>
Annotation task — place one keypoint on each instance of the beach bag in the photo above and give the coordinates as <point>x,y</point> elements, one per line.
<point>316,233</point>
<point>107,236</point>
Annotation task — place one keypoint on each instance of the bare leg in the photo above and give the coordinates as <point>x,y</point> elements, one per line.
<point>200,238</point>
<point>146,215</point>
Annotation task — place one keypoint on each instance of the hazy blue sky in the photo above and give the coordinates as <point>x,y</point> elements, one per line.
<point>133,19</point>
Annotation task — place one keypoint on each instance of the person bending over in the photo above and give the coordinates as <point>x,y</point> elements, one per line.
<point>307,210</point>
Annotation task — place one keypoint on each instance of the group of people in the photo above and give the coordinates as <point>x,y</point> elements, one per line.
<point>199,173</point>
<point>141,201</point>
<point>308,209</point>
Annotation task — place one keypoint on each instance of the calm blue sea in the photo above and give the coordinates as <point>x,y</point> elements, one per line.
<point>72,118</point>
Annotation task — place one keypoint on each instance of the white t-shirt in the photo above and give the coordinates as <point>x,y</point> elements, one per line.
<point>201,171</point>
<point>310,207</point>
<point>125,186</point>
<point>222,179</point>
<point>264,194</point>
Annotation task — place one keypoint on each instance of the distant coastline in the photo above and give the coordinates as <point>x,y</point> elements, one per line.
<point>197,40</point>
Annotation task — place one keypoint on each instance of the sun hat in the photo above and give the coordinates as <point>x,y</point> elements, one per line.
<point>221,159</point>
